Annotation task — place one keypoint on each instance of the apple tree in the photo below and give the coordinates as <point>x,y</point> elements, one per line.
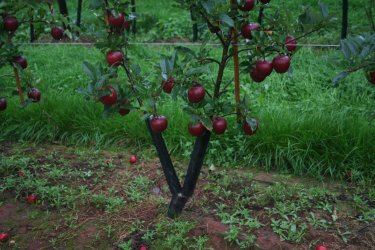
<point>195,77</point>
<point>14,15</point>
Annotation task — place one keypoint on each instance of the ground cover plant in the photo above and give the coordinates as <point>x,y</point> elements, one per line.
<point>307,128</point>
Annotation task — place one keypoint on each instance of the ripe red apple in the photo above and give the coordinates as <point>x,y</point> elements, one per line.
<point>109,99</point>
<point>197,129</point>
<point>115,58</point>
<point>20,60</point>
<point>31,198</point>
<point>219,125</point>
<point>34,94</point>
<point>257,76</point>
<point>118,21</point>
<point>248,28</point>
<point>143,247</point>
<point>250,126</point>
<point>124,111</point>
<point>371,76</point>
<point>281,63</point>
<point>11,23</point>
<point>264,67</point>
<point>168,85</point>
<point>249,5</point>
<point>265,1</point>
<point>158,124</point>
<point>196,93</point>
<point>4,237</point>
<point>290,43</point>
<point>133,159</point>
<point>21,173</point>
<point>57,33</point>
<point>321,248</point>
<point>3,104</point>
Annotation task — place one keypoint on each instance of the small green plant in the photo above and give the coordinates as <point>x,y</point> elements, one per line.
<point>292,230</point>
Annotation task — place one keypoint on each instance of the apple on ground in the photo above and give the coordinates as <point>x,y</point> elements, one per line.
<point>34,94</point>
<point>246,30</point>
<point>168,85</point>
<point>281,63</point>
<point>57,33</point>
<point>143,247</point>
<point>31,198</point>
<point>197,129</point>
<point>248,5</point>
<point>133,159</point>
<point>320,247</point>
<point>4,237</point>
<point>11,23</point>
<point>290,43</point>
<point>109,99</point>
<point>21,173</point>
<point>196,93</point>
<point>371,76</point>
<point>158,123</point>
<point>114,58</point>
<point>219,125</point>
<point>122,110</point>
<point>3,104</point>
<point>20,60</point>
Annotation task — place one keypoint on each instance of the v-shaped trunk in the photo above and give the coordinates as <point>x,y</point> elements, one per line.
<point>180,195</point>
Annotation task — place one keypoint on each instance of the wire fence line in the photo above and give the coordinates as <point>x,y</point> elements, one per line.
<point>168,44</point>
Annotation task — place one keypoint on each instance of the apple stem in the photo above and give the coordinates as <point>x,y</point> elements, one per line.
<point>18,85</point>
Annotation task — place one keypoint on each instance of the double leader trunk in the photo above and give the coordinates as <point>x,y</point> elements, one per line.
<point>180,194</point>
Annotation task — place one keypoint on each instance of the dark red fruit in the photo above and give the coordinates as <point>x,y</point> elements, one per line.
<point>57,33</point>
<point>124,111</point>
<point>118,21</point>
<point>126,25</point>
<point>133,159</point>
<point>196,93</point>
<point>20,60</point>
<point>21,173</point>
<point>321,248</point>
<point>250,126</point>
<point>31,198</point>
<point>197,129</point>
<point>4,237</point>
<point>11,23</point>
<point>3,104</point>
<point>281,63</point>
<point>115,58</point>
<point>168,85</point>
<point>34,94</point>
<point>109,99</point>
<point>371,77</point>
<point>219,125</point>
<point>143,247</point>
<point>264,67</point>
<point>265,1</point>
<point>257,76</point>
<point>248,28</point>
<point>249,5</point>
<point>158,124</point>
<point>290,43</point>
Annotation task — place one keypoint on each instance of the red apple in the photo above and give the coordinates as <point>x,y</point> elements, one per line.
<point>31,198</point>
<point>126,25</point>
<point>158,124</point>
<point>219,125</point>
<point>34,94</point>
<point>264,67</point>
<point>115,58</point>
<point>290,43</point>
<point>124,111</point>
<point>250,126</point>
<point>248,28</point>
<point>168,85</point>
<point>265,1</point>
<point>3,104</point>
<point>143,247</point>
<point>197,129</point>
<point>133,159</point>
<point>196,93</point>
<point>118,21</point>
<point>321,248</point>
<point>249,5</point>
<point>371,76</point>
<point>281,63</point>
<point>109,99</point>
<point>257,76</point>
<point>11,23</point>
<point>20,60</point>
<point>4,237</point>
<point>21,173</point>
<point>57,33</point>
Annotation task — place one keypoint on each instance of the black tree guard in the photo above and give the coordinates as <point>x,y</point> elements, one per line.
<point>345,11</point>
<point>195,25</point>
<point>79,11</point>
<point>180,195</point>
<point>32,30</point>
<point>134,21</point>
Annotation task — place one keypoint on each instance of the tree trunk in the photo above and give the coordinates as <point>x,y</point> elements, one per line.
<point>32,30</point>
<point>63,10</point>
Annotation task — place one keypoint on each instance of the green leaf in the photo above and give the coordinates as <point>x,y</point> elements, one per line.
<point>324,9</point>
<point>339,77</point>
<point>89,69</point>
<point>224,18</point>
